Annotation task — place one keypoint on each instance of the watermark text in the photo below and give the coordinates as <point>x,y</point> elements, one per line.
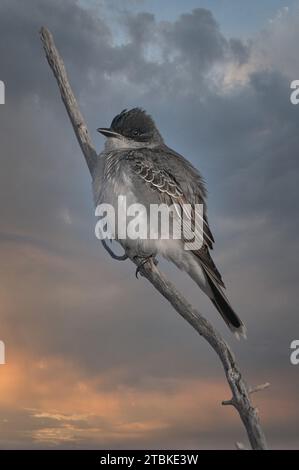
<point>155,222</point>
<point>294,357</point>
<point>2,352</point>
<point>294,97</point>
<point>2,92</point>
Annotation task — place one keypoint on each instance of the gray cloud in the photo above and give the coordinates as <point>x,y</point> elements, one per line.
<point>63,296</point>
<point>197,38</point>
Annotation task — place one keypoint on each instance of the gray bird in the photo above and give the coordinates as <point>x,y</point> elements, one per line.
<point>138,164</point>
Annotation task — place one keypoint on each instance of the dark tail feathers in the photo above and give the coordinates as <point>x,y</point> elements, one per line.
<point>230,317</point>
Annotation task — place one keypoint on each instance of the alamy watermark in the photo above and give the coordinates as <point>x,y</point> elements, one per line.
<point>294,357</point>
<point>2,353</point>
<point>156,222</point>
<point>294,97</point>
<point>2,92</point>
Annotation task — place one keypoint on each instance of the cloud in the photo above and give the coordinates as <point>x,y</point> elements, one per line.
<point>197,38</point>
<point>83,413</point>
<point>77,317</point>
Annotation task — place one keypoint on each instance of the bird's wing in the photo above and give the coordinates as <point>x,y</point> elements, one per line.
<point>160,176</point>
<point>191,182</point>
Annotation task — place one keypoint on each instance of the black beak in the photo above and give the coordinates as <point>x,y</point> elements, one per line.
<point>107,132</point>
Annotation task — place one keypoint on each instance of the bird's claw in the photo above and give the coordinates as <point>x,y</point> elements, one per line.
<point>112,254</point>
<point>144,261</point>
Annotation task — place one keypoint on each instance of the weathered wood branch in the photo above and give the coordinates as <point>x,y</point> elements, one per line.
<point>68,97</point>
<point>240,391</point>
<point>259,388</point>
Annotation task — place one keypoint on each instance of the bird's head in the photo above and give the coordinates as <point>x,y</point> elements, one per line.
<point>133,128</point>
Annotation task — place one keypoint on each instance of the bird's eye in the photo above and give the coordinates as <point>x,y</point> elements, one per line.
<point>136,132</point>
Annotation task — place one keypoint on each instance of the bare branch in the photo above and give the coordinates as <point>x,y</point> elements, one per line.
<point>241,399</point>
<point>259,388</point>
<point>240,446</point>
<point>228,402</point>
<point>68,97</point>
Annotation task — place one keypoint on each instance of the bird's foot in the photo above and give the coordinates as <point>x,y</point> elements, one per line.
<point>144,260</point>
<point>112,254</point>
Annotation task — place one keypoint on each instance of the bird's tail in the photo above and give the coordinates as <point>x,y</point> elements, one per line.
<point>222,304</point>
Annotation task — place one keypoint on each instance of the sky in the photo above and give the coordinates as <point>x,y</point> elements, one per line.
<point>95,358</point>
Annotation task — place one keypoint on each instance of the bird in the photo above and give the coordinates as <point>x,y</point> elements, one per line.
<point>136,163</point>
